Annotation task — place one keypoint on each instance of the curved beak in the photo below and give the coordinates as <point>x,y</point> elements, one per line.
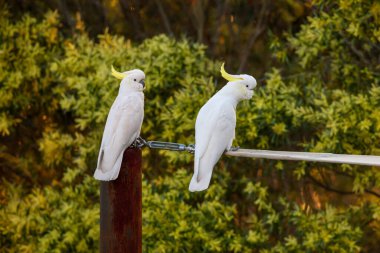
<point>143,83</point>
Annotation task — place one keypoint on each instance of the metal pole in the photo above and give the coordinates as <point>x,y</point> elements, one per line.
<point>369,160</point>
<point>120,208</point>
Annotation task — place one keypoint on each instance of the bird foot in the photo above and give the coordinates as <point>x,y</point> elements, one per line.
<point>234,148</point>
<point>138,143</point>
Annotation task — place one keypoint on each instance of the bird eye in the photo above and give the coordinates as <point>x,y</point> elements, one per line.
<point>246,86</point>
<point>134,80</point>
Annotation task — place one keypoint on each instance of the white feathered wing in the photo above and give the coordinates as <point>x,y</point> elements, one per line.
<point>214,133</point>
<point>122,129</point>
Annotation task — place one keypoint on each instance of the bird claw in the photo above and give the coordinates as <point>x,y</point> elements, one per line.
<point>138,143</point>
<point>191,148</point>
<point>234,148</point>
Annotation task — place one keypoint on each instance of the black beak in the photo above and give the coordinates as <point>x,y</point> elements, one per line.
<point>143,83</point>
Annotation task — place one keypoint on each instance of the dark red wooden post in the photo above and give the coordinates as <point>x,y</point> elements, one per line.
<point>120,208</point>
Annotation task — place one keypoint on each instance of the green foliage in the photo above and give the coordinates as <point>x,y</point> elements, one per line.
<point>27,107</point>
<point>61,91</point>
<point>326,231</point>
<point>52,219</point>
<point>56,92</point>
<point>193,222</point>
<point>234,31</point>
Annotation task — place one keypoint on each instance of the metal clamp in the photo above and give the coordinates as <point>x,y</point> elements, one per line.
<point>140,142</point>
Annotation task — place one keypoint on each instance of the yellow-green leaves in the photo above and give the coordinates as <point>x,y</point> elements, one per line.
<point>175,220</point>
<point>56,92</point>
<point>279,128</point>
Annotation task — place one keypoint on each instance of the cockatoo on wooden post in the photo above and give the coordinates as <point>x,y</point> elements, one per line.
<point>215,126</point>
<point>123,123</point>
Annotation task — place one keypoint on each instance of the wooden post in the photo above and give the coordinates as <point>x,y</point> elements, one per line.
<point>120,208</point>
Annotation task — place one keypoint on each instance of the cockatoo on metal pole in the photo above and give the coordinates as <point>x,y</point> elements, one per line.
<point>215,126</point>
<point>123,123</point>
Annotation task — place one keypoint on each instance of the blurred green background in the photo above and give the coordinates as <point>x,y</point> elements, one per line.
<point>318,69</point>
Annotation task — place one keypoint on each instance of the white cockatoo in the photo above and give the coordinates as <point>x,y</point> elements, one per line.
<point>215,126</point>
<point>123,123</point>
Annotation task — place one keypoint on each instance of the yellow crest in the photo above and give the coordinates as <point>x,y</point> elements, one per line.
<point>227,76</point>
<point>117,74</point>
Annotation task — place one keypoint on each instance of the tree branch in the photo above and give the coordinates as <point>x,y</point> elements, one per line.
<point>357,52</point>
<point>198,8</point>
<point>128,11</point>
<point>255,33</point>
<point>221,9</point>
<point>329,188</point>
<point>164,17</point>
